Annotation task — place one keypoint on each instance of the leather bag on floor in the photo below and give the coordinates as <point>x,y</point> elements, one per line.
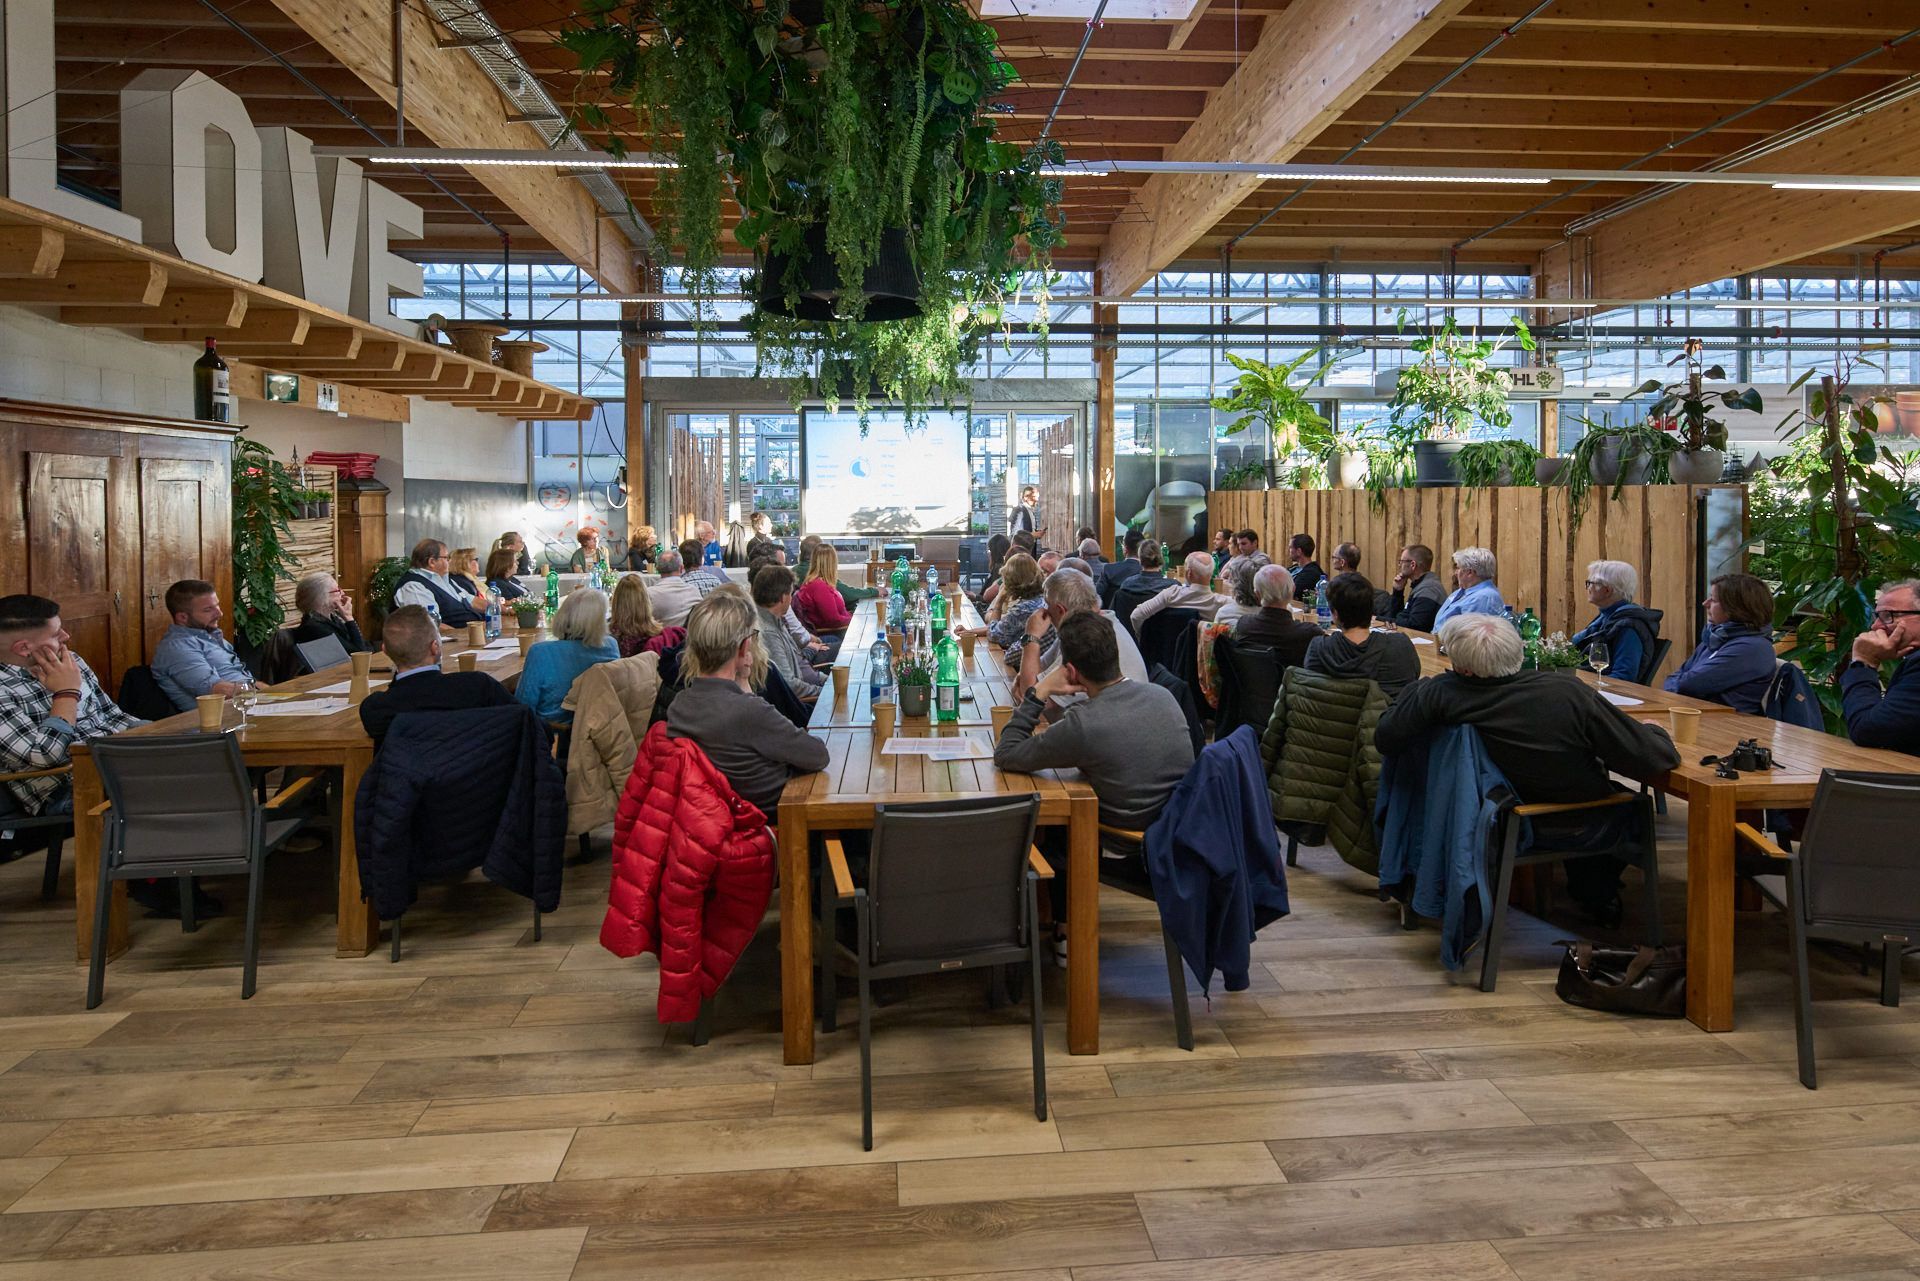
<point>1623,980</point>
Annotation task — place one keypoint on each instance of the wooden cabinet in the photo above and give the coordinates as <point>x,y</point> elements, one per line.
<point>107,509</point>
<point>360,540</point>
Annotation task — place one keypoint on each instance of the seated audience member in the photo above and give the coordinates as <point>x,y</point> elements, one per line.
<point>1629,631</point>
<point>1195,594</point>
<point>1019,597</point>
<point>1078,564</point>
<point>503,584</point>
<point>773,599</point>
<point>463,571</point>
<point>1553,736</point>
<point>698,575</point>
<point>1734,662</point>
<point>1887,718</point>
<point>426,584</point>
<point>762,525</point>
<point>1068,592</point>
<point>193,658</point>
<point>1305,569</point>
<point>1417,592</point>
<point>1024,542</point>
<point>1113,575</point>
<point>1128,738</point>
<point>999,547</point>
<point>632,624</point>
<point>739,545</point>
<point>818,600</point>
<point>1090,552</point>
<point>589,556</point>
<point>642,548</point>
<point>1346,560</point>
<point>512,542</point>
<point>1386,658</point>
<point>1049,561</point>
<point>579,641</point>
<point>672,596</point>
<point>1246,551</point>
<point>412,644</point>
<point>711,552</point>
<point>326,610</point>
<point>1242,600</point>
<point>1152,578</point>
<point>49,700</point>
<point>1474,591</point>
<point>1273,623</point>
<point>1222,550</point>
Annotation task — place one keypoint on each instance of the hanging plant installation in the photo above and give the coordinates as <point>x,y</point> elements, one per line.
<point>889,227</point>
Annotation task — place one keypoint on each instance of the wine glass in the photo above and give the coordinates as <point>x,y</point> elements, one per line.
<point>245,695</point>
<point>1597,657</point>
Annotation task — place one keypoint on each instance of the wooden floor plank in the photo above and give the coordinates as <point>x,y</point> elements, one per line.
<point>687,1198</point>
<point>1012,1088</point>
<point>163,1131</point>
<point>1615,1096</point>
<point>28,1236</point>
<point>1815,1183</point>
<point>55,1032</point>
<point>1296,1071</point>
<point>547,1255</point>
<point>1828,1247</point>
<point>1373,1156</point>
<point>1475,1261</point>
<point>1680,1138</point>
<point>1419,1030</point>
<point>298,1170</point>
<point>484,1076</point>
<point>191,1056</point>
<point>996,1178</point>
<point>598,1107</point>
<point>20,1173</point>
<point>1614,1054</point>
<point>41,1095</point>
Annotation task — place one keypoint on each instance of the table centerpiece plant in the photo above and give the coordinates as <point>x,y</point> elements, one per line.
<point>914,678</point>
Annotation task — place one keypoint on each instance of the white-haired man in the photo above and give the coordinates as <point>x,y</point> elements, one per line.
<point>1887,718</point>
<point>1067,592</point>
<point>672,597</point>
<point>1194,593</point>
<point>1553,736</point>
<point>1628,630</point>
<point>1273,623</point>
<point>1474,591</point>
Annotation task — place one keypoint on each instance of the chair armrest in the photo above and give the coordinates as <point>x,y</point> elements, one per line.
<point>1038,865</point>
<point>290,791</point>
<point>20,776</point>
<point>1759,840</point>
<point>1618,798</point>
<point>99,809</point>
<point>837,869</point>
<point>1137,835</point>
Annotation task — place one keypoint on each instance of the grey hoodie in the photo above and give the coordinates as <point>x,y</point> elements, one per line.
<point>1387,657</point>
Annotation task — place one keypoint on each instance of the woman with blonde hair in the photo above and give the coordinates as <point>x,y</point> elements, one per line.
<point>463,571</point>
<point>1020,583</point>
<point>818,600</point>
<point>632,625</point>
<point>745,737</point>
<point>642,547</point>
<point>579,641</point>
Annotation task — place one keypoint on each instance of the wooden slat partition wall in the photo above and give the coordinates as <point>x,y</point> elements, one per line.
<point>1542,563</point>
<point>1057,510</point>
<point>312,541</point>
<point>696,483</point>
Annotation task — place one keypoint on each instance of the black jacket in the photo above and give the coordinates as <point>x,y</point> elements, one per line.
<point>429,692</point>
<point>1305,578</point>
<point>1889,719</point>
<point>1278,628</point>
<point>346,631</point>
<point>451,791</point>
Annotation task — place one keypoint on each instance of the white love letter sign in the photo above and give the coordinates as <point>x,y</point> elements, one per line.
<point>189,170</point>
<point>310,250</point>
<point>377,274</point>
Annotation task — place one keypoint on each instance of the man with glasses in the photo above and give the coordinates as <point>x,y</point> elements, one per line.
<point>426,584</point>
<point>1888,718</point>
<point>1417,591</point>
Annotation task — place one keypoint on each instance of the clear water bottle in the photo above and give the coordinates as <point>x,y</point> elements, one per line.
<point>493,616</point>
<point>896,609</point>
<point>880,670</point>
<point>1321,609</point>
<point>1512,622</point>
<point>933,581</point>
<point>433,612</point>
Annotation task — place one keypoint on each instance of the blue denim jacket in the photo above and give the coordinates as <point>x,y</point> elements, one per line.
<point>188,662</point>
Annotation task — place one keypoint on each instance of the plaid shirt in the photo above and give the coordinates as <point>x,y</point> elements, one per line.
<point>32,738</point>
<point>706,582</point>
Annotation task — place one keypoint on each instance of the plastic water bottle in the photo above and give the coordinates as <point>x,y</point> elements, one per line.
<point>896,609</point>
<point>1530,638</point>
<point>880,670</point>
<point>933,581</point>
<point>433,612</point>
<point>937,605</point>
<point>553,589</point>
<point>493,616</point>
<point>946,681</point>
<point>1512,622</point>
<point>1322,611</point>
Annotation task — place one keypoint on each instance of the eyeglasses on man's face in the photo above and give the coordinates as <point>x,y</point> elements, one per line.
<point>1892,616</point>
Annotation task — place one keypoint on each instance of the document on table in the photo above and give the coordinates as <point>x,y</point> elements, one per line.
<point>301,707</point>
<point>1418,640</point>
<point>939,749</point>
<point>493,655</point>
<point>1621,700</point>
<point>346,687</point>
<point>505,642</point>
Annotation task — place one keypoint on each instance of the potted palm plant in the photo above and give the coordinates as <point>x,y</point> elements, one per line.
<point>1700,440</point>
<point>1436,399</point>
<point>1266,396</point>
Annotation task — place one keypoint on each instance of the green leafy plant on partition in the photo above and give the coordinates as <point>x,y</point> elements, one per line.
<point>265,498</point>
<point>1486,463</point>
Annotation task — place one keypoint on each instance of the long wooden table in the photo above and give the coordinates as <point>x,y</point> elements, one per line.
<point>334,741</point>
<point>859,777</point>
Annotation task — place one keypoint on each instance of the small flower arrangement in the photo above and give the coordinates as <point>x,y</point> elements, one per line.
<point>1556,652</point>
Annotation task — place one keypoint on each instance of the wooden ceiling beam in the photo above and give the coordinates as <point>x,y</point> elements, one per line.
<point>137,284</point>
<point>451,101</point>
<point>199,308</point>
<point>1699,234</point>
<point>30,253</point>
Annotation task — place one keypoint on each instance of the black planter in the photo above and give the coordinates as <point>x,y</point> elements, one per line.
<point>892,285</point>
<point>915,699</point>
<point>1433,462</point>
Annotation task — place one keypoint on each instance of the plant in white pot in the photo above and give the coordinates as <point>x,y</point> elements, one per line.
<point>1700,440</point>
<point>1266,396</point>
<point>1451,383</point>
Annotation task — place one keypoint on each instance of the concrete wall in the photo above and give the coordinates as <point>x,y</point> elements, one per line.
<point>42,359</point>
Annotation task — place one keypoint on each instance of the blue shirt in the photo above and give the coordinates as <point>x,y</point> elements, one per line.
<point>1733,665</point>
<point>550,670</point>
<point>1481,598</point>
<point>189,662</point>
<point>714,554</point>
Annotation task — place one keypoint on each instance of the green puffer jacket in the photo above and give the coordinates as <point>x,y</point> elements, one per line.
<point>1323,770</point>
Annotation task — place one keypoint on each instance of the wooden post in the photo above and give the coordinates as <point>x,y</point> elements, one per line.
<point>633,362</point>
<point>1104,498</point>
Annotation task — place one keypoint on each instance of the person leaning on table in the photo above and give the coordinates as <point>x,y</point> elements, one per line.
<point>326,610</point>
<point>1734,662</point>
<point>412,644</point>
<point>1888,718</point>
<point>49,700</point>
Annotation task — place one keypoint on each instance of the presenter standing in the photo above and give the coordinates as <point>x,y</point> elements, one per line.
<point>1025,517</point>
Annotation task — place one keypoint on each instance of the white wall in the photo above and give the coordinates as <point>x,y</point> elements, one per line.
<point>287,429</point>
<point>445,442</point>
<point>42,359</point>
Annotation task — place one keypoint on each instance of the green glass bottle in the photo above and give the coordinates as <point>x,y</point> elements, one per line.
<point>946,680</point>
<point>937,609</point>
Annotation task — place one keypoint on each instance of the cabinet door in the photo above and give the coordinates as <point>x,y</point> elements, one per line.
<point>71,511</point>
<point>176,504</point>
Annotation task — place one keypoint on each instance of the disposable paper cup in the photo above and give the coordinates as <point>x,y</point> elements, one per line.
<point>468,660</point>
<point>839,682</point>
<point>212,708</point>
<point>357,689</point>
<point>899,644</point>
<point>476,634</point>
<point>1001,715</point>
<point>362,663</point>
<point>1686,724</point>
<point>526,640</point>
<point>882,721</point>
<point>880,610</point>
<point>966,645</point>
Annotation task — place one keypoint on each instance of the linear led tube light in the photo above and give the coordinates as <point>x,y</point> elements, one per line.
<point>1334,175</point>
<point>1849,184</point>
<point>1763,304</point>
<point>470,157</point>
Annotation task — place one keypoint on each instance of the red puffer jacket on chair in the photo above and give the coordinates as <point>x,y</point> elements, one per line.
<point>692,872</point>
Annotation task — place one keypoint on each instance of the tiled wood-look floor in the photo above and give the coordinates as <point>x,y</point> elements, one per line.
<point>496,1108</point>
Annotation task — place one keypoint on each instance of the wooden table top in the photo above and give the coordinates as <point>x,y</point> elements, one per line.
<point>986,676</point>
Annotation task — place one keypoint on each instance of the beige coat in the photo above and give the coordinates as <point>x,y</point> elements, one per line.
<point>611,705</point>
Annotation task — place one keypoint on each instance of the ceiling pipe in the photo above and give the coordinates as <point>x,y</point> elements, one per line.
<point>1086,38</point>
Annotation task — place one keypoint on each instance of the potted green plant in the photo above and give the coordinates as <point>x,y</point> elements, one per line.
<point>265,497</point>
<point>1484,464</point>
<point>1437,398</point>
<point>1244,476</point>
<point>915,679</point>
<point>1682,411</point>
<point>382,580</point>
<point>1266,396</point>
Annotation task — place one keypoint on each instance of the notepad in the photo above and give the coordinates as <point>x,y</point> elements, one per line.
<point>345,687</point>
<point>302,707</point>
<point>1621,700</point>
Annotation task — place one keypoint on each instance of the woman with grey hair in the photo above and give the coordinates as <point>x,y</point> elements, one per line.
<point>1474,591</point>
<point>326,610</point>
<point>579,641</point>
<point>1629,631</point>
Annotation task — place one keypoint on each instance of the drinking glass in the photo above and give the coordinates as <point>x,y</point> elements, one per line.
<point>244,697</point>
<point>1597,657</point>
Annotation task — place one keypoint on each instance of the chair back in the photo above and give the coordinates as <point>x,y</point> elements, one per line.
<point>1249,685</point>
<point>945,878</point>
<point>1655,656</point>
<point>1162,635</point>
<point>141,695</point>
<point>1858,863</point>
<point>323,653</point>
<point>1127,598</point>
<point>176,799</point>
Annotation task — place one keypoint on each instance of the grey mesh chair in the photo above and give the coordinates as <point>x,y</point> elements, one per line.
<point>51,830</point>
<point>951,885</point>
<point>318,655</point>
<point>183,806</point>
<point>1855,878</point>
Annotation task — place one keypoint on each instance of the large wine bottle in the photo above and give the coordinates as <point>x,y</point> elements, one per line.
<point>212,397</point>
